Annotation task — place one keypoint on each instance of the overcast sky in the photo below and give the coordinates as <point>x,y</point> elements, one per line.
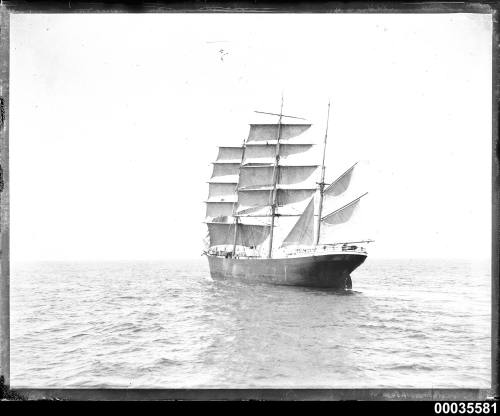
<point>114,120</point>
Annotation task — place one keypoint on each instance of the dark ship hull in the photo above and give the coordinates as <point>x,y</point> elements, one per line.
<point>322,271</point>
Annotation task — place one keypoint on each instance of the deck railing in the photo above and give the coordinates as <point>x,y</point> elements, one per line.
<point>333,248</point>
<point>321,249</point>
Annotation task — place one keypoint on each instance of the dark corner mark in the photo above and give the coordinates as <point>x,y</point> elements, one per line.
<point>2,124</point>
<point>6,394</point>
<point>2,113</point>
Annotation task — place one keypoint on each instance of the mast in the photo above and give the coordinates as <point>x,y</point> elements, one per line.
<point>274,193</point>
<point>236,218</point>
<point>321,184</point>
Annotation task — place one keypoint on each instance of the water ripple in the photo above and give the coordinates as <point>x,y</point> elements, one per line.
<point>149,325</point>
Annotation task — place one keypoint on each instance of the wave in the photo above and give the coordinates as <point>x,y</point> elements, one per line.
<point>410,367</point>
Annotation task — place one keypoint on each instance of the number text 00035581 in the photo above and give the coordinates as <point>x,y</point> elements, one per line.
<point>465,408</point>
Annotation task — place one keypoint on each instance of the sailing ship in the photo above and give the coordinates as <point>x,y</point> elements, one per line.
<point>267,213</point>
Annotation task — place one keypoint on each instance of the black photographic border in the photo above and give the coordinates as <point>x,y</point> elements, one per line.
<point>7,8</point>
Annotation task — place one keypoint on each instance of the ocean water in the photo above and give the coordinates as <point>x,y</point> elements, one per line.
<point>406,323</point>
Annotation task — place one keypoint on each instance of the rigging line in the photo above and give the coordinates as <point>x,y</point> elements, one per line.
<point>324,147</point>
<point>236,219</point>
<point>281,115</point>
<point>349,242</point>
<point>275,181</point>
<point>321,185</point>
<point>268,215</point>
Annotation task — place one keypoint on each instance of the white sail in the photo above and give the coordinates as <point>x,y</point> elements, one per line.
<point>340,185</point>
<point>222,192</point>
<point>289,200</point>
<point>265,132</point>
<point>297,175</point>
<point>346,187</point>
<point>290,154</point>
<point>291,209</point>
<point>253,176</point>
<point>229,154</point>
<point>342,215</point>
<point>288,196</point>
<point>282,228</point>
<point>225,170</point>
<point>303,231</point>
<point>257,211</point>
<point>248,235</point>
<point>343,225</point>
<point>253,198</point>
<point>218,209</point>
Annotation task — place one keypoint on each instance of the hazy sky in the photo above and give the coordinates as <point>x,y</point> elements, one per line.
<point>114,120</point>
